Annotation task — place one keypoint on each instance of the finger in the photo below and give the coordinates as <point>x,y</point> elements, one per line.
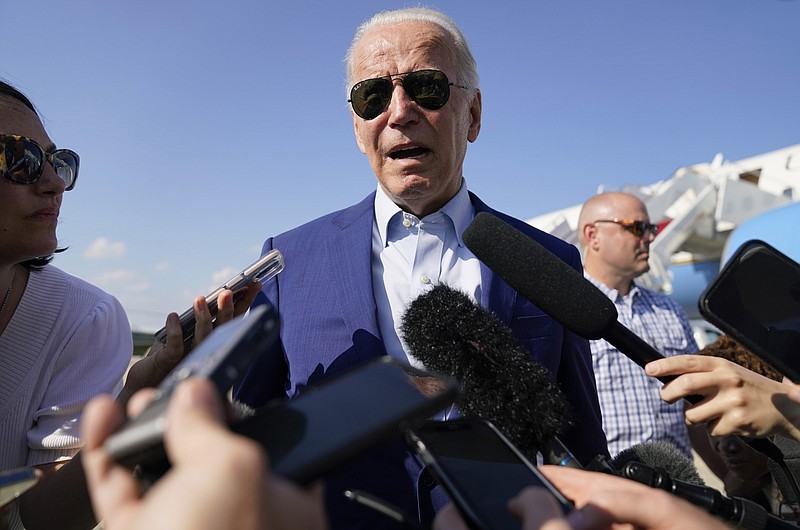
<point>174,350</point>
<point>681,364</point>
<point>203,319</point>
<point>245,299</point>
<point>139,401</point>
<point>537,508</point>
<point>224,307</point>
<point>111,486</point>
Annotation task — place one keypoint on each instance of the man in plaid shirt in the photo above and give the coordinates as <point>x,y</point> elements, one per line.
<point>615,233</point>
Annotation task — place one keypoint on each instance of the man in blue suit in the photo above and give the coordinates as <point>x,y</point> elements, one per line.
<point>351,274</point>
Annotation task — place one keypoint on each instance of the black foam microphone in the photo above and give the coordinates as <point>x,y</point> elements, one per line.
<point>563,293</point>
<point>660,454</point>
<point>449,333</point>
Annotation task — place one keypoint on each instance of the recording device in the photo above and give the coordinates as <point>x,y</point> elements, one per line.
<point>480,470</point>
<point>756,300</point>
<point>262,270</point>
<point>221,357</point>
<point>449,333</point>
<point>314,433</point>
<point>15,482</point>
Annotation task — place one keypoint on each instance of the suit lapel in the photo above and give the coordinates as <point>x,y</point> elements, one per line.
<point>351,249</point>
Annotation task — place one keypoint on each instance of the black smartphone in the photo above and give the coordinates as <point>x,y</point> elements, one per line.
<point>309,436</point>
<point>263,269</point>
<point>756,300</point>
<point>479,468</point>
<point>222,357</point>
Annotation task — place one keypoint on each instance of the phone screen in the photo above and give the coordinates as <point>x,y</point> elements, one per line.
<point>480,469</point>
<point>756,300</point>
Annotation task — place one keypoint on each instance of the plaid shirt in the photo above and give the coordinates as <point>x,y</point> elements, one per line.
<point>633,412</point>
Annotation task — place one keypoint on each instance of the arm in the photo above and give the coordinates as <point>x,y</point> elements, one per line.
<point>735,400</point>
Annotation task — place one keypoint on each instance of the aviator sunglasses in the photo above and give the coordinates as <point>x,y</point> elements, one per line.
<point>637,228</point>
<point>22,161</point>
<point>430,89</point>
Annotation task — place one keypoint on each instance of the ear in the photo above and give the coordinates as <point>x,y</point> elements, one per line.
<point>357,124</point>
<point>589,234</point>
<point>475,115</point>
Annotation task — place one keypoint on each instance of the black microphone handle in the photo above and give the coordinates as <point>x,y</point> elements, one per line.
<point>741,512</point>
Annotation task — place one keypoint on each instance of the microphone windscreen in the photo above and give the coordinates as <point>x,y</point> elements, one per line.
<point>537,274</point>
<point>449,333</point>
<point>660,454</point>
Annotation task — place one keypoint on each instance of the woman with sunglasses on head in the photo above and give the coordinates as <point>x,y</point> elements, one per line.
<point>62,340</point>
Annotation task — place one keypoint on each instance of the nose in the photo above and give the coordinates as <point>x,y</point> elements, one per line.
<point>49,182</point>
<point>402,109</point>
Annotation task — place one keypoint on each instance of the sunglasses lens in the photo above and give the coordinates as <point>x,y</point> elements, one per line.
<point>23,160</point>
<point>429,88</point>
<point>370,97</point>
<point>65,163</point>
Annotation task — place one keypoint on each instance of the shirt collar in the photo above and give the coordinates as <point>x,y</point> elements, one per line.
<point>459,209</point>
<point>612,294</point>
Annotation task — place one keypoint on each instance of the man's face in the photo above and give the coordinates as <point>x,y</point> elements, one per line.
<point>416,154</point>
<point>620,251</point>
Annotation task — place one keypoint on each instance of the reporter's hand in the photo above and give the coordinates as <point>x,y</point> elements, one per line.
<point>217,479</point>
<point>604,501</point>
<point>736,400</point>
<point>150,370</point>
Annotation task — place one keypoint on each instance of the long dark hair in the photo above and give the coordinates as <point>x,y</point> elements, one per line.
<point>8,90</point>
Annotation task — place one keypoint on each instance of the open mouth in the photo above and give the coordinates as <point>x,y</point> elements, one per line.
<point>411,152</point>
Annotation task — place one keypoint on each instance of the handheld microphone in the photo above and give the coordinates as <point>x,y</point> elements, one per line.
<point>662,455</point>
<point>449,333</point>
<point>743,513</point>
<point>563,293</point>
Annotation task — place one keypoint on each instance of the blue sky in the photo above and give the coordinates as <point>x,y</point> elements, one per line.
<point>204,127</point>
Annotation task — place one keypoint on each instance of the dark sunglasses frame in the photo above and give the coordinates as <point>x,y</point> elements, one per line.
<point>414,83</point>
<point>637,228</point>
<point>32,147</point>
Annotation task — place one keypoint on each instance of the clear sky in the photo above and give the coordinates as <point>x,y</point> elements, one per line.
<point>206,126</point>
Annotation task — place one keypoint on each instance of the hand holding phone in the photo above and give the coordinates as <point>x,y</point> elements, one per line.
<point>262,270</point>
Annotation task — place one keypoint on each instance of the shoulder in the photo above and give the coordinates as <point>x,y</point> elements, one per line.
<point>333,222</point>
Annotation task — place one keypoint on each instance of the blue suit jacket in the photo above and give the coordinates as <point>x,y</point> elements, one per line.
<point>330,325</point>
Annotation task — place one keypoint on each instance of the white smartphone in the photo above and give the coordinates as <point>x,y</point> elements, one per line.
<point>265,268</point>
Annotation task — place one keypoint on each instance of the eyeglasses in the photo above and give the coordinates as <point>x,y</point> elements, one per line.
<point>22,161</point>
<point>430,89</point>
<point>637,228</point>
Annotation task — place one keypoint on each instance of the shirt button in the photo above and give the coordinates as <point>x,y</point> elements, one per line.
<point>425,279</point>
<point>406,222</point>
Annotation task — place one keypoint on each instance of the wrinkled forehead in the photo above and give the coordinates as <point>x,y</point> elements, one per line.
<point>402,47</point>
<point>17,118</point>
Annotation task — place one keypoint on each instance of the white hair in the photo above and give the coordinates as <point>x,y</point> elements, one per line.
<point>466,67</point>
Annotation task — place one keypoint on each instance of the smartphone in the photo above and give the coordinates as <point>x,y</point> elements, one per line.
<point>265,268</point>
<point>311,435</point>
<point>479,468</point>
<point>756,300</point>
<point>222,357</point>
